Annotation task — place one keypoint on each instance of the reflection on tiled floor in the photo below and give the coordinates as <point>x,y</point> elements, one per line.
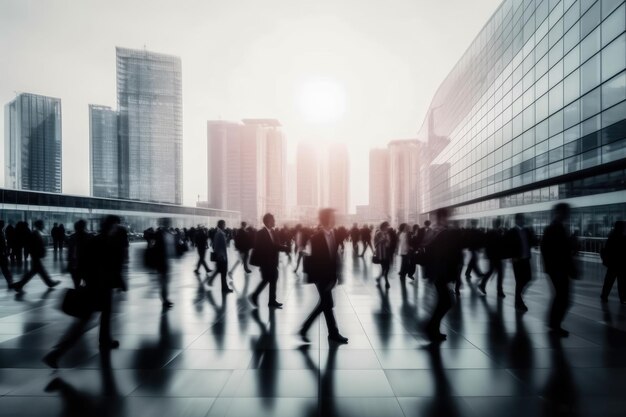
<point>216,356</point>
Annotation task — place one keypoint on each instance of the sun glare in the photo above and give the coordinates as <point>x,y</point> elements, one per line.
<point>321,100</point>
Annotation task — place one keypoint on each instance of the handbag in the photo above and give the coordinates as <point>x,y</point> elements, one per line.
<point>77,302</point>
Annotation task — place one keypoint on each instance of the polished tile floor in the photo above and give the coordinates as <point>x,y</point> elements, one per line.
<point>216,356</point>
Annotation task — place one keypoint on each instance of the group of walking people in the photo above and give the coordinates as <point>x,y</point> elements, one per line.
<point>95,262</point>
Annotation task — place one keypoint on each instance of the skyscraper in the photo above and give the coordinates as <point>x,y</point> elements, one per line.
<point>103,152</point>
<point>308,175</point>
<point>32,141</point>
<point>404,172</point>
<point>339,178</point>
<point>247,167</point>
<point>224,164</point>
<point>379,184</point>
<point>149,100</point>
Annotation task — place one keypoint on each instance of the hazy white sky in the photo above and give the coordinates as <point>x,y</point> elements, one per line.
<point>242,59</point>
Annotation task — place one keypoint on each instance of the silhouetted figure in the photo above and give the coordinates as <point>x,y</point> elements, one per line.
<point>382,251</point>
<point>342,234</point>
<point>557,249</point>
<point>300,238</point>
<point>404,250</point>
<point>444,251</point>
<point>267,247</point>
<point>37,253</point>
<point>10,238</point>
<point>22,242</point>
<point>355,236</point>
<point>474,242</point>
<point>614,258</point>
<point>243,244</point>
<point>415,237</point>
<point>164,252</point>
<point>494,245</point>
<point>78,242</point>
<point>519,241</point>
<point>57,233</point>
<point>105,254</point>
<point>220,256</point>
<point>201,241</point>
<point>4,257</point>
<point>366,238</point>
<point>322,270</point>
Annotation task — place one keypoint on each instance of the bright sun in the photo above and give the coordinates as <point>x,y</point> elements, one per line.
<point>321,100</point>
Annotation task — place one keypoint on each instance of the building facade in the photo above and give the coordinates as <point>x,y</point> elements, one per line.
<point>379,184</point>
<point>308,176</point>
<point>149,100</point>
<point>103,152</point>
<point>338,178</point>
<point>32,143</point>
<point>247,167</point>
<point>534,113</point>
<point>404,177</point>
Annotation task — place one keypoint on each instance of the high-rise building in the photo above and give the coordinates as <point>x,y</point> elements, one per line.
<point>339,178</point>
<point>149,100</point>
<point>103,152</point>
<point>32,143</point>
<point>308,176</point>
<point>533,113</point>
<point>247,167</point>
<point>379,184</point>
<point>224,164</point>
<point>404,172</point>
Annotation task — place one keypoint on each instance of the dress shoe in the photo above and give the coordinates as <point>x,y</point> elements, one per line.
<point>521,306</point>
<point>227,290</point>
<point>482,289</point>
<point>51,359</point>
<point>167,304</point>
<point>338,338</point>
<point>501,294</point>
<point>560,332</point>
<point>112,344</point>
<point>248,271</point>
<point>54,284</point>
<point>275,304</point>
<point>303,336</point>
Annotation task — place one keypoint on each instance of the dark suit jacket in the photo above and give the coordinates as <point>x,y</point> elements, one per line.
<point>323,266</point>
<point>37,246</point>
<point>513,242</point>
<point>557,251</point>
<point>266,250</point>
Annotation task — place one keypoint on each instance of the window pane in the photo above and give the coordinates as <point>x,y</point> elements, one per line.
<point>614,91</point>
<point>613,25</point>
<point>614,57</point>
<point>590,74</point>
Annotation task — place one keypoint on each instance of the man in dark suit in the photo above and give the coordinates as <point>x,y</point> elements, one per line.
<point>322,270</point>
<point>220,254</point>
<point>37,250</point>
<point>557,249</point>
<point>444,251</point>
<point>267,247</point>
<point>520,240</point>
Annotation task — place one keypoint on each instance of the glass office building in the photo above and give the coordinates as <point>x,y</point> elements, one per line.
<point>103,152</point>
<point>32,143</point>
<point>534,112</point>
<point>149,101</point>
